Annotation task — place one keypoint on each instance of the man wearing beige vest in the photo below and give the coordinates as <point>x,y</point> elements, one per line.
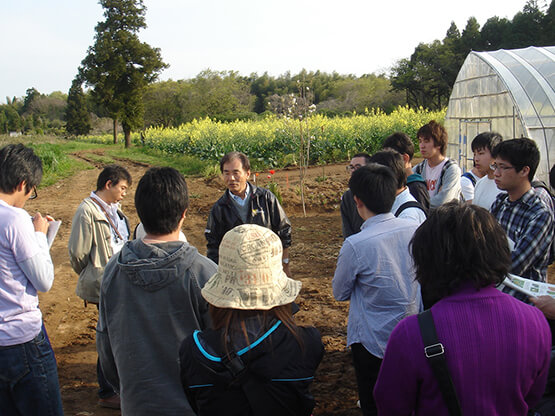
<point>98,231</point>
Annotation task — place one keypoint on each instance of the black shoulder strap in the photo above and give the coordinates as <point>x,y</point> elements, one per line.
<point>435,353</point>
<point>409,204</point>
<point>470,177</point>
<point>418,168</point>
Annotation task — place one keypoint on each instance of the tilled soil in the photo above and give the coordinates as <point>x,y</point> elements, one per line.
<point>316,243</point>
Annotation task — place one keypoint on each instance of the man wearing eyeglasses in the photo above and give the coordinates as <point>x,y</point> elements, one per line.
<point>350,219</point>
<point>28,371</point>
<point>527,221</point>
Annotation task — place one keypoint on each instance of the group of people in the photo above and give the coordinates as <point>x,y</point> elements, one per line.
<point>180,333</point>
<point>446,256</point>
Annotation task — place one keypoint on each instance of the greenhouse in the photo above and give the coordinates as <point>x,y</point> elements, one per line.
<point>511,92</point>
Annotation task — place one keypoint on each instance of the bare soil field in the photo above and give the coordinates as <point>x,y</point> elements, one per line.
<point>316,243</point>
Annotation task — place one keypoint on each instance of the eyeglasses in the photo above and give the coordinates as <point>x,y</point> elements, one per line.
<point>502,168</point>
<point>352,168</point>
<point>34,194</point>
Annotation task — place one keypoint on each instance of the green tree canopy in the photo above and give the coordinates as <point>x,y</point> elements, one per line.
<point>78,118</point>
<point>119,66</point>
<point>428,76</point>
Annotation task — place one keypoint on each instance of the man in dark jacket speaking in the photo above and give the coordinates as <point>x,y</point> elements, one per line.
<point>244,203</point>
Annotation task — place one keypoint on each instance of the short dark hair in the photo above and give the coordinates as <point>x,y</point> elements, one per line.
<point>401,142</point>
<point>376,186</point>
<point>19,164</point>
<point>160,199</point>
<point>435,131</point>
<point>235,155</point>
<point>393,160</point>
<point>486,140</point>
<point>366,157</point>
<point>552,177</point>
<point>113,173</point>
<point>459,243</point>
<point>519,153</point>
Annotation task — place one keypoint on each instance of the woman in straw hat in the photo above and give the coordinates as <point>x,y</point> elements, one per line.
<point>255,360</point>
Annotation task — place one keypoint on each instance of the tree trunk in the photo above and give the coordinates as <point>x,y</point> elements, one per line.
<point>127,134</point>
<point>115,130</point>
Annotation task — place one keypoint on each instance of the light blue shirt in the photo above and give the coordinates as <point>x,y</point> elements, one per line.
<point>238,199</point>
<point>375,272</point>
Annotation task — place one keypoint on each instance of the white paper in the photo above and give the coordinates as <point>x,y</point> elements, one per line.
<point>53,227</point>
<point>529,287</point>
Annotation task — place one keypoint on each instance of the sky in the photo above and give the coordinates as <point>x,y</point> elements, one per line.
<point>44,41</point>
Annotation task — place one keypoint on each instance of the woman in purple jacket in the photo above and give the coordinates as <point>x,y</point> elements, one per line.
<point>497,348</point>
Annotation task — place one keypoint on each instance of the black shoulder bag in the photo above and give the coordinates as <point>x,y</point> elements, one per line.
<point>435,353</point>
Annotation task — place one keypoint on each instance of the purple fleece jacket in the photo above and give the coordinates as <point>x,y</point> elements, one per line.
<point>497,350</point>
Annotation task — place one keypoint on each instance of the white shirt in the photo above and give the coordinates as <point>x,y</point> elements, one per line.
<point>432,175</point>
<point>467,187</point>
<point>112,211</point>
<point>485,192</point>
<point>25,268</point>
<point>411,213</point>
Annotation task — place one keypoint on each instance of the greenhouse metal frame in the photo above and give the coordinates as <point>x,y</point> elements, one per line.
<point>511,92</point>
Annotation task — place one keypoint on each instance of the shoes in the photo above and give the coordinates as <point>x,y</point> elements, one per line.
<point>110,402</point>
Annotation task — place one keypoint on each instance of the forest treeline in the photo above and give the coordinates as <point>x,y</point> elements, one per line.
<point>423,80</point>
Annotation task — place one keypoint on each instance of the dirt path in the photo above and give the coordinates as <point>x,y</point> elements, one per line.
<point>316,243</point>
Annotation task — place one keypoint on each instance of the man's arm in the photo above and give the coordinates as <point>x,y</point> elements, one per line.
<point>213,236</point>
<point>80,241</point>
<point>546,304</point>
<point>103,345</point>
<point>450,187</point>
<point>201,273</point>
<point>280,224</point>
<point>345,272</point>
<point>38,269</point>
<point>534,242</point>
<point>345,209</point>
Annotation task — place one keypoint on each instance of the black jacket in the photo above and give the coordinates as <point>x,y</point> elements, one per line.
<point>264,210</point>
<point>419,190</point>
<point>350,220</point>
<point>275,377</point>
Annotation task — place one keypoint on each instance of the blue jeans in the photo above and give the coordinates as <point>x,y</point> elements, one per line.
<point>29,379</point>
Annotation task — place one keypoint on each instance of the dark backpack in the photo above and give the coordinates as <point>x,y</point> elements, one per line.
<point>540,184</point>
<point>410,204</point>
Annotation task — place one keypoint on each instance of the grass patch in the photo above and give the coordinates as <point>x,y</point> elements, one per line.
<point>55,155</point>
<point>102,159</point>
<point>58,163</point>
<point>187,165</point>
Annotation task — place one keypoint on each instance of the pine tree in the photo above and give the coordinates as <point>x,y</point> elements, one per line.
<point>119,66</point>
<point>78,118</point>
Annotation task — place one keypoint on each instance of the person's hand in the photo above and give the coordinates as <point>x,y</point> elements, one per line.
<point>286,269</point>
<point>40,223</point>
<point>546,304</point>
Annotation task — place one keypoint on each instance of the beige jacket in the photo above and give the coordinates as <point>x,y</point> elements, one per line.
<point>90,248</point>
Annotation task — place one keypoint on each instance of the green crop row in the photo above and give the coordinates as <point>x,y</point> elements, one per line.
<point>274,142</point>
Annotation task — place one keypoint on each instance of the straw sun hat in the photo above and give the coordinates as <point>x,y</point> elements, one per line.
<point>250,273</point>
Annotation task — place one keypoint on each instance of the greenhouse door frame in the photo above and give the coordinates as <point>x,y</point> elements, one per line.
<point>468,129</point>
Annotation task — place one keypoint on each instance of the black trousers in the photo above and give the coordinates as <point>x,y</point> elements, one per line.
<point>367,367</point>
